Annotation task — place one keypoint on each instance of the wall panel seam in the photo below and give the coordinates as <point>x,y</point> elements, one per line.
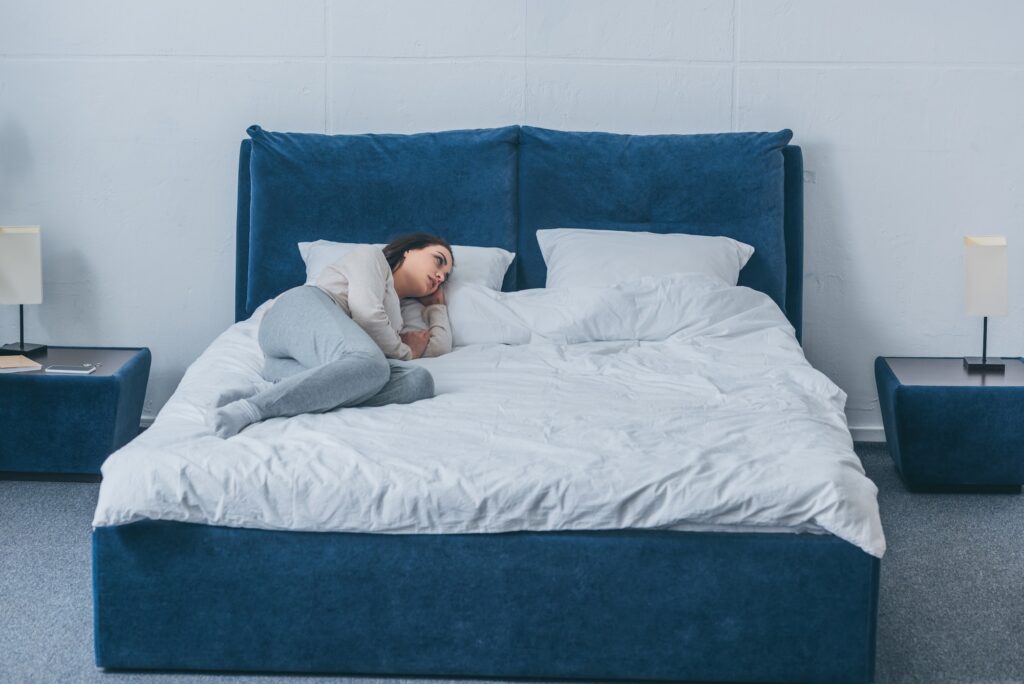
<point>734,113</point>
<point>744,63</point>
<point>526,55</point>
<point>328,50</point>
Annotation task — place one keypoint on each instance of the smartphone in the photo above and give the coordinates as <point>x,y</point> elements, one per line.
<point>79,369</point>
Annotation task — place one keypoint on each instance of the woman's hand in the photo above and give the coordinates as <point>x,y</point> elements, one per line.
<point>417,341</point>
<point>436,297</point>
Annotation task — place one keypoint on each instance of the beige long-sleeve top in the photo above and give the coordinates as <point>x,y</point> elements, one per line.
<point>362,284</point>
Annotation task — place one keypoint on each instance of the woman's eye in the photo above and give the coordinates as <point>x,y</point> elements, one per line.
<point>438,259</point>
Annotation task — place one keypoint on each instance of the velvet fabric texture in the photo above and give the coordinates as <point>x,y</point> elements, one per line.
<point>793,227</point>
<point>371,188</point>
<point>727,184</point>
<point>69,423</point>
<point>952,438</point>
<point>497,187</point>
<point>630,604</point>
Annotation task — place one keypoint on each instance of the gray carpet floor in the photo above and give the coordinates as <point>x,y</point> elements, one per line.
<point>951,606</point>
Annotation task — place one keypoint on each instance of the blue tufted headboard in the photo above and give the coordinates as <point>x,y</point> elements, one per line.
<point>497,187</point>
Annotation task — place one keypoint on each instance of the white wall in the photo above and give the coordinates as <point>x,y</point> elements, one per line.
<point>120,123</point>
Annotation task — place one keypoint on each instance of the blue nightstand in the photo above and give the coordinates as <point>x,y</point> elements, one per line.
<point>71,423</point>
<point>950,430</point>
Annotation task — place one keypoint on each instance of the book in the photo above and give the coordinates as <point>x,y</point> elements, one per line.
<point>18,364</point>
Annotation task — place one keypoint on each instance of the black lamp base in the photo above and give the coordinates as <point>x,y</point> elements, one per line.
<point>974,364</point>
<point>26,349</point>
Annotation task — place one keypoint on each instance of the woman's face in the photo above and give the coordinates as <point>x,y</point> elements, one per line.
<point>423,270</point>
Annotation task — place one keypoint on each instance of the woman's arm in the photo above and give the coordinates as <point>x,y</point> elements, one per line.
<point>366,288</point>
<point>436,317</point>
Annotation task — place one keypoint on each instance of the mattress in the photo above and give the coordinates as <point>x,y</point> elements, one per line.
<point>675,403</point>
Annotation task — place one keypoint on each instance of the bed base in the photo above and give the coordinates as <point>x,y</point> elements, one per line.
<point>624,604</point>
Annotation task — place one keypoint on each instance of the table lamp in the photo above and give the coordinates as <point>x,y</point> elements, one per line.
<point>21,279</point>
<point>986,291</point>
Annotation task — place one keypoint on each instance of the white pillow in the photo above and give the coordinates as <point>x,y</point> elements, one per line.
<point>481,316</point>
<point>484,266</point>
<point>578,257</point>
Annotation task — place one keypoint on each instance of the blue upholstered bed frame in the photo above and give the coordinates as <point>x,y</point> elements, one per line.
<point>615,604</point>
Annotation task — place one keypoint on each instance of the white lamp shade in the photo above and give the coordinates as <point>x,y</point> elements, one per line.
<point>21,265</point>
<point>987,283</point>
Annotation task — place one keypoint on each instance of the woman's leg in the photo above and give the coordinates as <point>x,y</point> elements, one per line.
<point>408,383</point>
<point>277,369</point>
<point>344,366</point>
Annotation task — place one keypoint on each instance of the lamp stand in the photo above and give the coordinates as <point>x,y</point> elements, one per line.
<point>29,349</point>
<point>975,364</point>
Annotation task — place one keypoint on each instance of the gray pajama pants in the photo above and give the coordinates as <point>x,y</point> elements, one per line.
<point>320,359</point>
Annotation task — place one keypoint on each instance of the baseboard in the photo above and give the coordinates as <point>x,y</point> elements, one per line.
<point>868,433</point>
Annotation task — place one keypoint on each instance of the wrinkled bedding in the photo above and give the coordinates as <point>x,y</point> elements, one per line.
<point>678,402</point>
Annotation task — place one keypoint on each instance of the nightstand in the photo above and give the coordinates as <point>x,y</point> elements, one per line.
<point>950,430</point>
<point>70,423</point>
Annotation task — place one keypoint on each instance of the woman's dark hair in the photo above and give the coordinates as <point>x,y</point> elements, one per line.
<point>395,250</point>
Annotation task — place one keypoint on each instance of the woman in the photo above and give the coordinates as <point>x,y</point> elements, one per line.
<point>339,343</point>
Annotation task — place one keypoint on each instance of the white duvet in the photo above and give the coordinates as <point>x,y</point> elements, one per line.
<point>677,402</point>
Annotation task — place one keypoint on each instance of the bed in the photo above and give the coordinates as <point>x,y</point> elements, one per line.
<point>192,571</point>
